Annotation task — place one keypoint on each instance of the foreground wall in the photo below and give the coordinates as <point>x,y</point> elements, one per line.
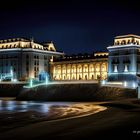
<point>10,90</point>
<point>76,92</point>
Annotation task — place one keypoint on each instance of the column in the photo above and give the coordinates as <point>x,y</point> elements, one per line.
<point>76,72</point>
<point>66,72</point>
<point>138,90</point>
<point>100,70</point>
<point>61,72</point>
<point>70,71</point>
<point>82,72</point>
<point>88,72</point>
<point>95,71</point>
<point>133,60</point>
<point>115,68</point>
<point>125,68</point>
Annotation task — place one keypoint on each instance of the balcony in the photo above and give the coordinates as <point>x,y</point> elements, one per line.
<point>126,62</point>
<point>115,62</point>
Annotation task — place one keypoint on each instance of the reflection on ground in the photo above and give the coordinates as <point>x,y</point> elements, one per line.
<point>20,113</point>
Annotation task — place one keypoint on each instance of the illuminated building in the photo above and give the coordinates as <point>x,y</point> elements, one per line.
<point>80,67</point>
<point>24,58</point>
<point>124,58</point>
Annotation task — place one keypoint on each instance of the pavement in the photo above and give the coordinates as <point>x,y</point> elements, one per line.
<point>120,120</point>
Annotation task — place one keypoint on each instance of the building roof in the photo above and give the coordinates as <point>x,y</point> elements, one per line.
<point>101,54</point>
<point>85,56</point>
<point>25,43</point>
<point>14,40</point>
<point>126,36</point>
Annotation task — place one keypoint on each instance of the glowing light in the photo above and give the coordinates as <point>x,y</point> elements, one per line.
<point>14,80</point>
<point>44,108</point>
<point>115,68</point>
<point>125,84</point>
<point>31,83</point>
<point>12,74</point>
<point>126,68</point>
<point>46,80</point>
<point>122,46</point>
<point>103,82</point>
<point>134,85</point>
<point>10,105</point>
<point>127,73</point>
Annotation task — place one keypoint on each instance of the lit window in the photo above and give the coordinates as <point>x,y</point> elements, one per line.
<point>125,68</point>
<point>115,68</point>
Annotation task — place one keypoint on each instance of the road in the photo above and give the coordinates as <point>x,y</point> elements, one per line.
<point>120,120</point>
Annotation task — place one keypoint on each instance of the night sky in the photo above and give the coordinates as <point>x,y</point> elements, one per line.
<point>74,26</point>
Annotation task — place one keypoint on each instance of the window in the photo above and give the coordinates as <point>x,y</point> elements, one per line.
<point>27,69</point>
<point>27,62</point>
<point>137,42</point>
<point>45,64</point>
<point>123,42</point>
<point>125,68</point>
<point>45,57</point>
<point>115,68</point>
<point>35,74</point>
<point>117,43</point>
<point>27,56</point>
<point>133,40</point>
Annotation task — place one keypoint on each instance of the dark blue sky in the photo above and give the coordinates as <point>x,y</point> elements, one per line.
<point>74,26</point>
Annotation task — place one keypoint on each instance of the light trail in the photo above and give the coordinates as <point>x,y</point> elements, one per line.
<point>59,83</point>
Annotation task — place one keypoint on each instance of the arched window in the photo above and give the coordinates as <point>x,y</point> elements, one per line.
<point>117,43</point>
<point>133,40</point>
<point>123,42</point>
<point>97,67</point>
<point>128,42</point>
<point>68,68</point>
<point>91,68</point>
<point>103,67</point>
<point>64,69</point>
<point>137,42</point>
<point>79,68</point>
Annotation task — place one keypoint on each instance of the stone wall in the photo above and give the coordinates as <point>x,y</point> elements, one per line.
<point>75,92</point>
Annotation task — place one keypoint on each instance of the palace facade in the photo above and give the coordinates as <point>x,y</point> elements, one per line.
<point>124,58</point>
<point>22,58</point>
<point>80,67</point>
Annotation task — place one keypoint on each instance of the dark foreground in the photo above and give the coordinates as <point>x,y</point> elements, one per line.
<point>120,120</point>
